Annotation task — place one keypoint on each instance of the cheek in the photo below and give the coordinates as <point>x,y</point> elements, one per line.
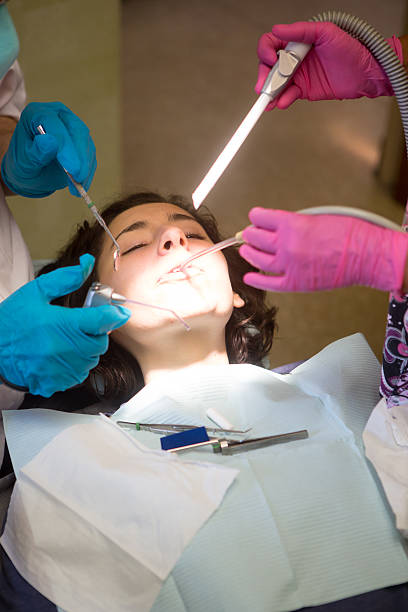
<point>131,273</point>
<point>104,269</point>
<point>220,272</point>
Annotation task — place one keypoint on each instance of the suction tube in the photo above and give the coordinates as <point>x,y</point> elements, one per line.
<point>392,366</point>
<point>383,53</point>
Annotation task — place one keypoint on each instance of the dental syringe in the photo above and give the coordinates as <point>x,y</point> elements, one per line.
<point>100,295</point>
<point>92,208</point>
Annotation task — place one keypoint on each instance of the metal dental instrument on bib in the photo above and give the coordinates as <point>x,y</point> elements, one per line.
<point>169,428</point>
<point>92,208</point>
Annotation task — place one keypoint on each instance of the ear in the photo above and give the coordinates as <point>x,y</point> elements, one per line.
<point>238,302</point>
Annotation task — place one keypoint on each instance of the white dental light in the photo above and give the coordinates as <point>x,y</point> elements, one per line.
<point>280,75</point>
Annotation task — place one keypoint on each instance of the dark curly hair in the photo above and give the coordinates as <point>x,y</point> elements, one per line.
<point>248,333</point>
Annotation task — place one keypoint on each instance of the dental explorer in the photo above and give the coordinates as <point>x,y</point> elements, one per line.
<point>289,60</point>
<point>92,208</point>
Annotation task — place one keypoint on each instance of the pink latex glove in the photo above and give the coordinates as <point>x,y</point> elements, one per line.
<point>314,252</point>
<point>337,67</point>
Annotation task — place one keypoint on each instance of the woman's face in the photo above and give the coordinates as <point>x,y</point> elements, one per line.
<point>154,239</point>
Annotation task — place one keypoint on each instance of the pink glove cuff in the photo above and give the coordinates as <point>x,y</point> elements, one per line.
<point>396,45</point>
<point>397,262</point>
<point>310,253</point>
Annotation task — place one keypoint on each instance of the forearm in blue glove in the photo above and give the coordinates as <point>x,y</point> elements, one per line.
<point>32,166</point>
<point>48,348</point>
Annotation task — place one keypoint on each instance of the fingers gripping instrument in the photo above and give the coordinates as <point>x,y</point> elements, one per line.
<point>93,210</point>
<point>100,294</point>
<point>289,60</point>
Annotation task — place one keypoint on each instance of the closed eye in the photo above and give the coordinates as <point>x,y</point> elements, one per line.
<point>195,236</point>
<point>134,247</point>
<point>189,236</point>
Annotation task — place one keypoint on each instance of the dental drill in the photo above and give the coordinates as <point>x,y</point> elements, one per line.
<point>100,295</point>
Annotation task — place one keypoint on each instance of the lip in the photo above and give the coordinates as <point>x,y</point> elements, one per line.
<point>170,276</point>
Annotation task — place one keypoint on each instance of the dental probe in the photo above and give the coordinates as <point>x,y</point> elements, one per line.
<point>161,428</point>
<point>92,208</point>
<point>289,60</point>
<point>100,294</point>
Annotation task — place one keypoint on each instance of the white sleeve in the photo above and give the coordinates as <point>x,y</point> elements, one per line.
<point>15,262</point>
<point>12,92</point>
<point>16,269</point>
<point>386,445</point>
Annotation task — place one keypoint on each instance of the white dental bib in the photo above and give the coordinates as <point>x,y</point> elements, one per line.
<point>304,523</point>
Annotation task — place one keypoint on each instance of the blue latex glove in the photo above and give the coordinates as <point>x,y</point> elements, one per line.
<point>30,167</point>
<point>50,348</point>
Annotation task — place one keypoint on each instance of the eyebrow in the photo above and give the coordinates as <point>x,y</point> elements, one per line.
<point>141,224</point>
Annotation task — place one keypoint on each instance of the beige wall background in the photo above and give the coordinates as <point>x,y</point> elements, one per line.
<point>70,52</point>
<point>163,85</point>
<point>189,70</point>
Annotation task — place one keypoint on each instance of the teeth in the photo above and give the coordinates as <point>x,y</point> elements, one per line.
<point>178,268</point>
<point>176,274</point>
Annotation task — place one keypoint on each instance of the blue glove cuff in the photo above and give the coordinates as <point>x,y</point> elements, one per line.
<point>13,386</point>
<point>20,191</point>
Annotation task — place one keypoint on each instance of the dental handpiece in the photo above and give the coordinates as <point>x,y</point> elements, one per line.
<point>100,295</point>
<point>91,207</point>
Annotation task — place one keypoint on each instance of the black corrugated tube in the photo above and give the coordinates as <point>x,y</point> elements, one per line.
<point>383,53</point>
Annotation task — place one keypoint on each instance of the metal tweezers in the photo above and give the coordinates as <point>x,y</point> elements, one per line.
<point>228,447</point>
<point>223,445</point>
<point>176,427</point>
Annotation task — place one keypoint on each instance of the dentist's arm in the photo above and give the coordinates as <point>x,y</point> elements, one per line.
<point>314,252</point>
<point>7,127</point>
<point>337,67</point>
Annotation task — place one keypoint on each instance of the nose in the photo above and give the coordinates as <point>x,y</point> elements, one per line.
<point>172,238</point>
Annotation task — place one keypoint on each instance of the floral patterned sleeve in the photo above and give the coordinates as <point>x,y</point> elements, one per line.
<point>394,376</point>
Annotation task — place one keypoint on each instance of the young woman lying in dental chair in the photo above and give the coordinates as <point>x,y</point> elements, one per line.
<point>304,525</point>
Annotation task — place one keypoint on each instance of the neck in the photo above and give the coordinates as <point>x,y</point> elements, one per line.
<point>180,351</point>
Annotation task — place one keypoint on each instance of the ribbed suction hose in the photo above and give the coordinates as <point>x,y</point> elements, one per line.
<point>383,53</point>
<point>391,377</point>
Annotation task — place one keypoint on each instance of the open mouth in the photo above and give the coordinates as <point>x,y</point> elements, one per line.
<point>175,274</point>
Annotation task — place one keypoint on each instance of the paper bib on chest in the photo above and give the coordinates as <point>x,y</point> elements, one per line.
<point>304,522</point>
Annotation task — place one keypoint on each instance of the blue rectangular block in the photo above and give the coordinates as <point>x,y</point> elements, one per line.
<point>184,438</point>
